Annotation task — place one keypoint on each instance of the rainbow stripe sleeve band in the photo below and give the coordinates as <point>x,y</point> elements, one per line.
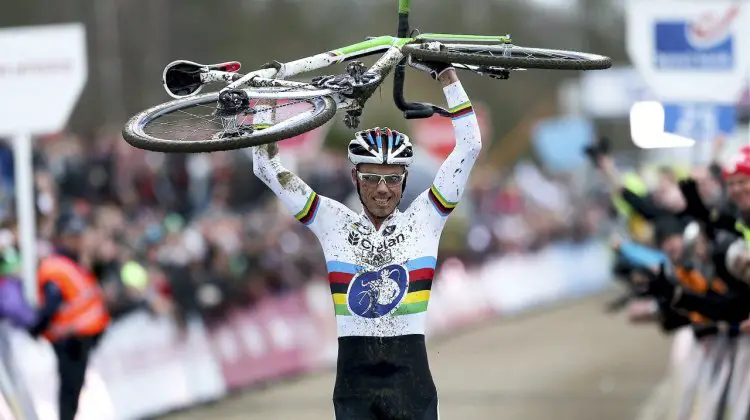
<point>443,206</point>
<point>308,213</point>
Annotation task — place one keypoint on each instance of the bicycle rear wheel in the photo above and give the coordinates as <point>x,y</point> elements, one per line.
<point>510,57</point>
<point>193,125</point>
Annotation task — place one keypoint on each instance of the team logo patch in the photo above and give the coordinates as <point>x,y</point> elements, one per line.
<point>374,294</point>
<point>353,238</point>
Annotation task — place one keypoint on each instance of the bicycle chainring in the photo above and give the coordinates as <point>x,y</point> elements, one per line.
<point>354,84</point>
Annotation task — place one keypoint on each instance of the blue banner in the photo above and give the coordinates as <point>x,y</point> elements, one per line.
<point>682,45</point>
<point>700,121</point>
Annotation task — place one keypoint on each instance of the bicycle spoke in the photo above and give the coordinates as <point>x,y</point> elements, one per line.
<point>200,121</point>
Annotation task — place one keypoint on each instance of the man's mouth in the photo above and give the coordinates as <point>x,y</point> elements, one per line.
<point>381,201</point>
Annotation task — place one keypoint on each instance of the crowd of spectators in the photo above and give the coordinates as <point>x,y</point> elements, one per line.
<point>197,235</point>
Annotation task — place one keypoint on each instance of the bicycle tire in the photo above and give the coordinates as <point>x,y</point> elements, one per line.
<point>134,134</point>
<point>513,57</point>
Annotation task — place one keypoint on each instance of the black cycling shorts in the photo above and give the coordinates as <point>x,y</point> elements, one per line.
<point>384,378</point>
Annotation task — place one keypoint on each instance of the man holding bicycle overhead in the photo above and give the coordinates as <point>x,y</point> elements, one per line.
<point>381,262</point>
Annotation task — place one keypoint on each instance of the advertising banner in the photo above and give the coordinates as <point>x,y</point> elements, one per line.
<point>690,50</point>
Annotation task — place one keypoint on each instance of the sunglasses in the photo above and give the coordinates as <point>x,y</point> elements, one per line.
<point>375,179</point>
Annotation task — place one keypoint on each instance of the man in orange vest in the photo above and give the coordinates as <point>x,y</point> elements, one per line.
<point>73,314</point>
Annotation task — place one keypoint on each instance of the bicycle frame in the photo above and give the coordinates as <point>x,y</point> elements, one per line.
<point>388,44</point>
<point>273,75</point>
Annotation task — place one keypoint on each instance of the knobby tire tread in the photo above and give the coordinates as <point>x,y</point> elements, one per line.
<point>510,62</point>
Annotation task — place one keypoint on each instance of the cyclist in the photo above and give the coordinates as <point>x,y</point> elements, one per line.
<point>381,261</point>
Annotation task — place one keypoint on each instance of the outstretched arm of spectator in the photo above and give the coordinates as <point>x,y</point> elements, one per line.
<point>304,203</point>
<point>643,206</point>
<point>715,165</point>
<point>607,165</point>
<point>730,307</point>
<point>640,255</point>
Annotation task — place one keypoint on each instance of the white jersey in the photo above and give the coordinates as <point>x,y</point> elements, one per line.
<point>380,279</point>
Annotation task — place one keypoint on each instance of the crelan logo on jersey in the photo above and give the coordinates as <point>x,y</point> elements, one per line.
<point>354,238</point>
<point>647,128</point>
<point>383,245</point>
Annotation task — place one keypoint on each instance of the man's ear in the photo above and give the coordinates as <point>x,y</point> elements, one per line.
<point>354,176</point>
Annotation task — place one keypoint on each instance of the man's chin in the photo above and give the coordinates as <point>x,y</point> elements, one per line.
<point>381,211</point>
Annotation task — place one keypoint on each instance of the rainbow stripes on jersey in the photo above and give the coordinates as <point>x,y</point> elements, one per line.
<point>308,213</point>
<point>443,206</point>
<point>461,110</point>
<point>421,271</point>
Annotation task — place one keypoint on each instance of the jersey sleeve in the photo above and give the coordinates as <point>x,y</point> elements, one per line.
<point>314,211</point>
<point>451,178</point>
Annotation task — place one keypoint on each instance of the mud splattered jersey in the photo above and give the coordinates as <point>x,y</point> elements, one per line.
<point>380,279</point>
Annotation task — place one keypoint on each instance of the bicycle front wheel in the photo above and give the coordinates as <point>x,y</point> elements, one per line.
<point>510,57</point>
<point>193,125</point>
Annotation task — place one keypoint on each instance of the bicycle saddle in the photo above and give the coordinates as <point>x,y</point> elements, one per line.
<point>183,78</point>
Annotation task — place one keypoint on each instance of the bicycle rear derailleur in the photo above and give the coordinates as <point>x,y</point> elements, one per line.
<point>495,72</point>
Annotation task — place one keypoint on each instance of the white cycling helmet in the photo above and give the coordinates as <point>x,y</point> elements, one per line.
<point>381,146</point>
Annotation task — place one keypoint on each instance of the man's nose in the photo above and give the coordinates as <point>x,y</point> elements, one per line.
<point>382,188</point>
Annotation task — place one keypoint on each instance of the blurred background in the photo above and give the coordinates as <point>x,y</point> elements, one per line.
<point>215,289</point>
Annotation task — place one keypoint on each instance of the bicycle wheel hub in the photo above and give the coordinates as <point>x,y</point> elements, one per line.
<point>232,102</point>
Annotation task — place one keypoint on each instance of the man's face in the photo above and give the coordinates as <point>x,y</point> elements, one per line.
<point>379,195</point>
<point>673,246</point>
<point>738,188</point>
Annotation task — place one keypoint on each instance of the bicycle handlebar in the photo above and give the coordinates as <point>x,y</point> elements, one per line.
<point>410,114</point>
<point>411,110</point>
<point>424,110</point>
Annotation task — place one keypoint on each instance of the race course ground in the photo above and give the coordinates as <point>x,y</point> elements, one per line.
<point>569,362</point>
